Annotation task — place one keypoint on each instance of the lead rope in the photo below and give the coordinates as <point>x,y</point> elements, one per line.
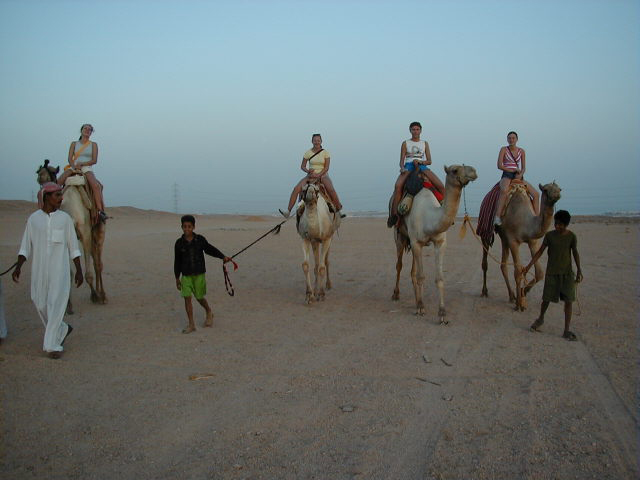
<point>227,280</point>
<point>8,269</point>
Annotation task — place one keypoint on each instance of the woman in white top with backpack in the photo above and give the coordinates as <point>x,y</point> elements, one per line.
<point>413,153</point>
<point>82,155</point>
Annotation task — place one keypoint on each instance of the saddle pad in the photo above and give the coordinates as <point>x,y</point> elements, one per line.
<point>75,180</point>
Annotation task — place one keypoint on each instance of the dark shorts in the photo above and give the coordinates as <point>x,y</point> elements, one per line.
<point>559,287</point>
<point>509,175</point>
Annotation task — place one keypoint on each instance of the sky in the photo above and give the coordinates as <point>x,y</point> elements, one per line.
<point>208,107</point>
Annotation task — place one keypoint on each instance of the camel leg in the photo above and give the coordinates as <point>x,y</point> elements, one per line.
<point>399,253</point>
<point>517,274</point>
<point>533,248</point>
<point>326,266</point>
<point>316,269</point>
<point>96,253</point>
<point>485,266</point>
<point>417,276</point>
<point>503,268</point>
<point>83,230</point>
<point>323,250</point>
<point>306,250</point>
<point>440,248</point>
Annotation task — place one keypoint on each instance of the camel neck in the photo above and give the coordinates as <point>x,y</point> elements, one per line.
<point>449,206</point>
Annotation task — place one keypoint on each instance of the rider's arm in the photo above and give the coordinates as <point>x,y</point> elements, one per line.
<point>520,175</point>
<point>72,151</point>
<point>427,154</point>
<point>501,160</point>
<point>94,156</point>
<point>303,167</point>
<point>403,154</point>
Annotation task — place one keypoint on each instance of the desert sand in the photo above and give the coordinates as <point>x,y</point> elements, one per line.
<point>355,387</point>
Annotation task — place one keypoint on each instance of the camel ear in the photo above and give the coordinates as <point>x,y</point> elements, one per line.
<point>540,187</point>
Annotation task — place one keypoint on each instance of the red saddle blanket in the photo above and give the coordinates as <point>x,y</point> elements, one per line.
<point>487,215</point>
<point>434,190</point>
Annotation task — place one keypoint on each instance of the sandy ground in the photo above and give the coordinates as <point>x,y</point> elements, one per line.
<point>334,390</point>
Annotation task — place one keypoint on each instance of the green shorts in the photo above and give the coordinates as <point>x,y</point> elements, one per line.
<point>195,285</point>
<point>559,287</point>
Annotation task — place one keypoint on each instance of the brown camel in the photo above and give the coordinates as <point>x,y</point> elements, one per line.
<point>520,225</point>
<point>77,204</point>
<point>427,222</point>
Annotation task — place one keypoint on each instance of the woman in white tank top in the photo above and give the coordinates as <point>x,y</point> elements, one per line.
<point>413,153</point>
<point>82,155</point>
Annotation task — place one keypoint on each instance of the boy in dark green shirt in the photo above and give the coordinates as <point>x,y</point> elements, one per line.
<point>559,281</point>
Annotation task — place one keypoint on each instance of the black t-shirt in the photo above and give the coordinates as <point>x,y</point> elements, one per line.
<point>189,256</point>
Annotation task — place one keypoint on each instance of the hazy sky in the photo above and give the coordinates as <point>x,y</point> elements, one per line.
<point>221,98</point>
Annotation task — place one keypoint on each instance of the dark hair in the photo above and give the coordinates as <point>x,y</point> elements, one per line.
<point>415,124</point>
<point>315,135</point>
<point>563,217</point>
<point>512,133</point>
<point>85,125</point>
<point>188,219</point>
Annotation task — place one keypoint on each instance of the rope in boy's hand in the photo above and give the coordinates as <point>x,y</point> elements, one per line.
<point>227,281</point>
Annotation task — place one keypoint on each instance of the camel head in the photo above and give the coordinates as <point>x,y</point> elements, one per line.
<point>310,193</point>
<point>550,192</point>
<point>46,173</point>
<point>460,175</point>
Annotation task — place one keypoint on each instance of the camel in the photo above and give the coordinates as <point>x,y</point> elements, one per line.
<point>427,222</point>
<point>520,225</point>
<point>77,204</point>
<point>316,226</point>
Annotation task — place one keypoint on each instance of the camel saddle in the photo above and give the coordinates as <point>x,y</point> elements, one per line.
<point>79,181</point>
<point>325,195</point>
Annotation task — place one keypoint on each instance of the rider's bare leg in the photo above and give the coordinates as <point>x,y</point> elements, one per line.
<point>435,181</point>
<point>63,178</point>
<point>504,188</point>
<point>328,184</point>
<point>536,198</point>
<point>296,193</point>
<point>96,187</point>
<point>397,192</point>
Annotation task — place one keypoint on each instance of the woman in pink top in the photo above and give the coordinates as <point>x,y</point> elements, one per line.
<point>512,162</point>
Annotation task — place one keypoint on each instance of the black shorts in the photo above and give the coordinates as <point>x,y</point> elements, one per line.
<point>509,175</point>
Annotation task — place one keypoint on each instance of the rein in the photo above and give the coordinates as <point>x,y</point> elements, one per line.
<point>8,269</point>
<point>227,280</point>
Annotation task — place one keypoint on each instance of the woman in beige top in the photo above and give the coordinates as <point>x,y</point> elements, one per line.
<point>318,160</point>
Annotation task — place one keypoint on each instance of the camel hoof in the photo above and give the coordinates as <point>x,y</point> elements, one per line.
<point>420,312</point>
<point>309,298</point>
<point>444,321</point>
<point>484,294</point>
<point>395,296</point>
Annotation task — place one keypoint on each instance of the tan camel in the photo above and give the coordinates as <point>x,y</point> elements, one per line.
<point>427,222</point>
<point>520,225</point>
<point>316,227</point>
<point>78,204</point>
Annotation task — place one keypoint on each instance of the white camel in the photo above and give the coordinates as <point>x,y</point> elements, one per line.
<point>316,227</point>
<point>427,222</point>
<point>78,205</point>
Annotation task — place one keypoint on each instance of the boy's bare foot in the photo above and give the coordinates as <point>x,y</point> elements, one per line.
<point>535,326</point>
<point>209,321</point>
<point>189,329</point>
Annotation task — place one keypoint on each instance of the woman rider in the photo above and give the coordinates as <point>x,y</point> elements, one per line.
<point>512,162</point>
<point>414,152</point>
<point>318,160</point>
<point>82,155</point>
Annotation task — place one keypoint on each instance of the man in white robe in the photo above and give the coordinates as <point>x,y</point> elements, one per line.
<point>50,240</point>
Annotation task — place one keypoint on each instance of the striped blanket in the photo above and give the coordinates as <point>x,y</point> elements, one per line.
<point>485,229</point>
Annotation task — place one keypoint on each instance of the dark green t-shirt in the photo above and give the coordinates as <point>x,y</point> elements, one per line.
<point>559,250</point>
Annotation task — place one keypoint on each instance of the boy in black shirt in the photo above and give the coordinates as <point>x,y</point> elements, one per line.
<point>189,261</point>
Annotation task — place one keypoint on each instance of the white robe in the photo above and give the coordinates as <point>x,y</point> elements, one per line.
<point>50,239</point>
